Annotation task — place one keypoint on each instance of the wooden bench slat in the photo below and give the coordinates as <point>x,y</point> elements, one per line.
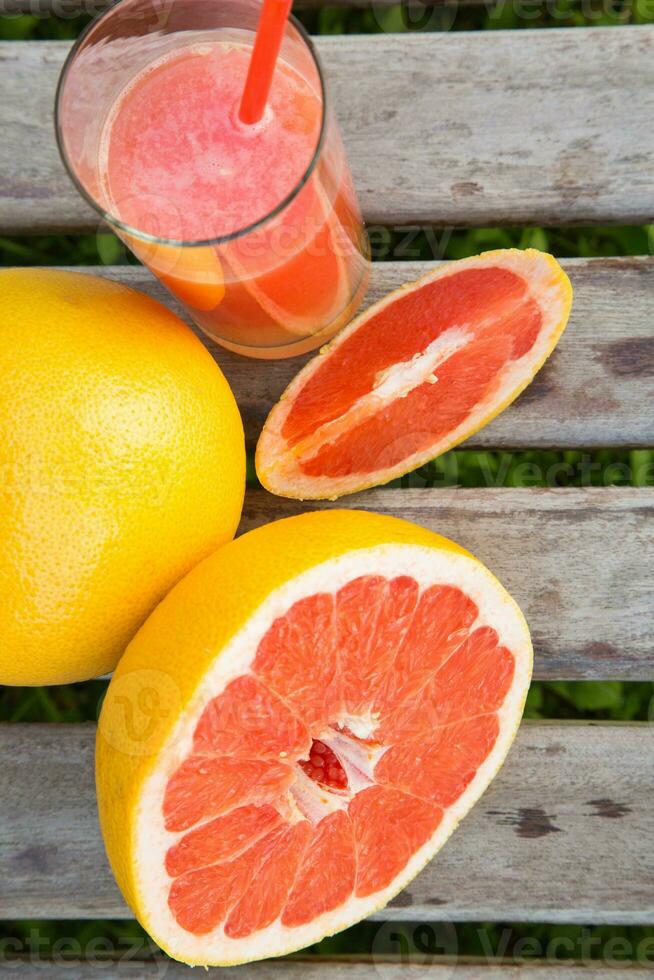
<point>560,836</point>
<point>580,563</point>
<point>526,127</point>
<point>596,390</point>
<point>305,969</point>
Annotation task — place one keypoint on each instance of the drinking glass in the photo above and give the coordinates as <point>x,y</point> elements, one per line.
<point>279,285</point>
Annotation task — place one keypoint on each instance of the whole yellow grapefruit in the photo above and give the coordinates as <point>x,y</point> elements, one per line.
<point>122,465</point>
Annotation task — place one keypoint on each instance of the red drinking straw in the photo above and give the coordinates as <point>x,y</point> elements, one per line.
<point>270,32</point>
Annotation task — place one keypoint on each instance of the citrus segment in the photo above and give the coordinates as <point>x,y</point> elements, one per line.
<point>205,787</point>
<point>333,733</point>
<point>438,768</point>
<point>328,873</point>
<point>310,287</point>
<point>295,280</point>
<point>248,720</point>
<point>476,678</point>
<point>439,626</point>
<point>200,899</point>
<point>264,899</point>
<point>192,273</point>
<point>415,374</point>
<point>373,617</point>
<point>389,827</point>
<point>297,659</point>
<point>488,671</point>
<point>220,839</point>
<point>195,278</point>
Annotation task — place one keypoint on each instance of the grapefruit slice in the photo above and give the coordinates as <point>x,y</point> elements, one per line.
<point>416,374</point>
<point>316,283</point>
<point>192,273</point>
<point>310,285</point>
<point>299,727</point>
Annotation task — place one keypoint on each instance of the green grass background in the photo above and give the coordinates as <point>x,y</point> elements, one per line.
<point>610,700</point>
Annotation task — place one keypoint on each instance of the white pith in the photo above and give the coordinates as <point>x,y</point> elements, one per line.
<point>428,567</point>
<point>400,379</point>
<point>397,381</point>
<point>277,465</point>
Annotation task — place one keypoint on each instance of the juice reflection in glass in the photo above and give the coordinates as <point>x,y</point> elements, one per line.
<point>256,228</point>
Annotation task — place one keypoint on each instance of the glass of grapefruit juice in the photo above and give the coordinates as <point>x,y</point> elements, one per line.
<point>254,228</point>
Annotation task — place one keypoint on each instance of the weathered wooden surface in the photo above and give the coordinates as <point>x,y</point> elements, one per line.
<point>579,562</point>
<point>561,835</point>
<point>431,968</point>
<point>452,129</point>
<point>595,390</point>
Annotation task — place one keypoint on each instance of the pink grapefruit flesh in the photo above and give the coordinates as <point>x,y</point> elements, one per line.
<point>318,775</point>
<point>415,374</point>
<point>324,742</point>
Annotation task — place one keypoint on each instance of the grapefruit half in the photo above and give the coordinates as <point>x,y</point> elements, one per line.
<point>416,374</point>
<point>299,727</point>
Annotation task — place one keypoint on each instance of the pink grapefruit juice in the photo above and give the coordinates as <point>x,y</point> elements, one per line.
<point>290,265</point>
